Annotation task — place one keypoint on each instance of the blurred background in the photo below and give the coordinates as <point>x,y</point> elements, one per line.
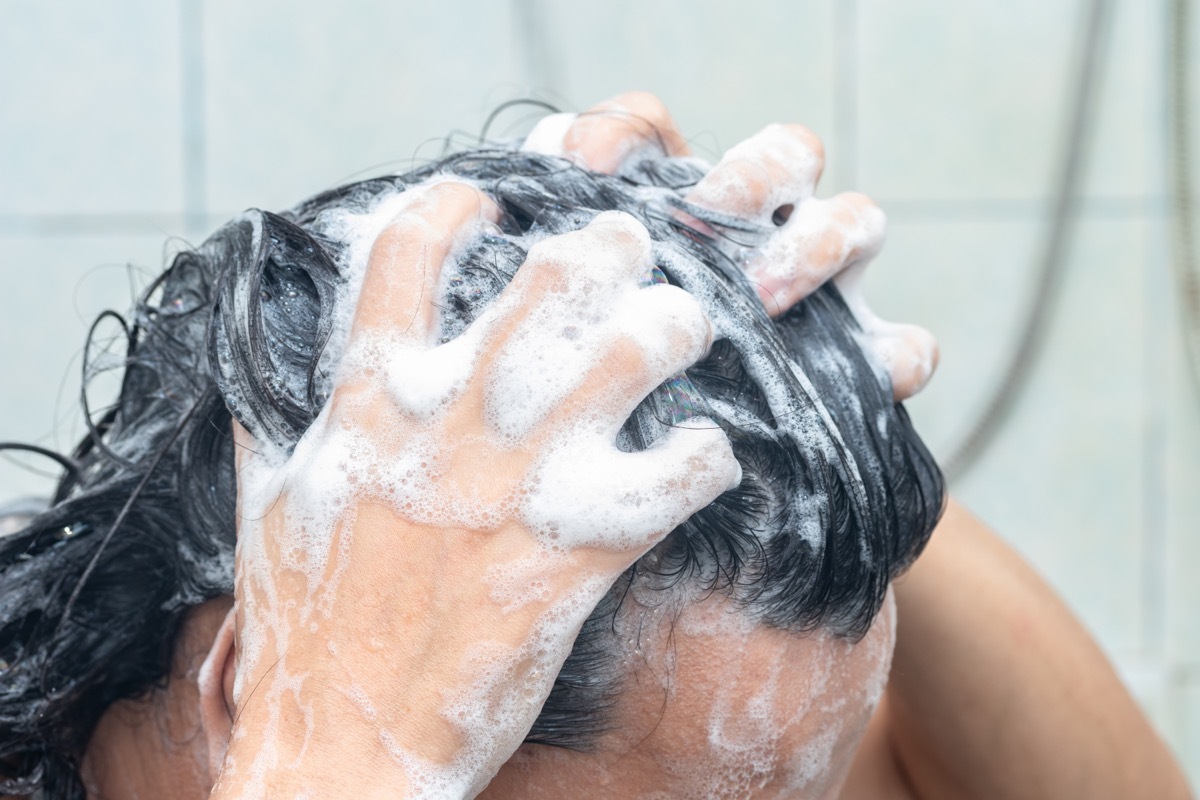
<point>1014,145</point>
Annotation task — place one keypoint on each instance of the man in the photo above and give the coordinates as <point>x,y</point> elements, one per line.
<point>735,687</point>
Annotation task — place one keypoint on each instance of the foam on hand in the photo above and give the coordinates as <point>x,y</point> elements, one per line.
<point>776,167</point>
<point>769,180</point>
<point>547,136</point>
<point>513,422</point>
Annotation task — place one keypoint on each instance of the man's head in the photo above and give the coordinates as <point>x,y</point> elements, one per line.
<point>838,494</point>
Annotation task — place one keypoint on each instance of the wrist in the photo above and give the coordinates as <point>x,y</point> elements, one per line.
<point>436,677</point>
<point>298,750</point>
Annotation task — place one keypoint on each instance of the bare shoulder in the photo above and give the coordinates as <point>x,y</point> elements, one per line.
<point>998,691</point>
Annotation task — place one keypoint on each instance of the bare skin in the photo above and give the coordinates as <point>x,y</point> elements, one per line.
<point>976,629</point>
<point>354,682</point>
<point>950,655</point>
<point>606,135</point>
<point>770,180</point>
<point>998,691</point>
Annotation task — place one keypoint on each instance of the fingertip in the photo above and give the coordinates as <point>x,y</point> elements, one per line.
<point>605,136</point>
<point>453,201</point>
<point>864,221</point>
<point>910,355</point>
<point>724,460</point>
<point>707,447</point>
<point>548,134</point>
<point>935,353</point>
<point>803,145</point>
<point>685,324</point>
<point>772,292</point>
<point>926,360</point>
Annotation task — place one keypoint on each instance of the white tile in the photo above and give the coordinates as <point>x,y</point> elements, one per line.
<point>967,281</point>
<point>53,288</point>
<point>1181,496</point>
<point>1063,480</point>
<point>1126,151</point>
<point>304,96</point>
<point>90,118</point>
<point>1150,682</point>
<point>724,73</point>
<point>1184,736</point>
<point>969,100</point>
<point>1182,471</point>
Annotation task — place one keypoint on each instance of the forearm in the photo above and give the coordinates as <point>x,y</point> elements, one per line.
<point>998,691</point>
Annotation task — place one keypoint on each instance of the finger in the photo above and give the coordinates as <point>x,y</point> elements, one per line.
<point>399,291</point>
<point>571,276</point>
<point>660,332</point>
<point>562,314</point>
<point>547,135</point>
<point>244,446</point>
<point>657,333</point>
<point>612,251</point>
<point>764,177</point>
<point>628,501</point>
<point>608,134</point>
<point>821,239</point>
<point>907,353</point>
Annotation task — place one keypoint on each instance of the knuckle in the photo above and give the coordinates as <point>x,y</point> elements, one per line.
<point>741,187</point>
<point>549,134</point>
<point>392,237</point>
<point>801,145</point>
<point>805,137</point>
<point>860,214</point>
<point>646,104</point>
<point>862,205</point>
<point>830,248</point>
<point>779,165</point>
<point>435,211</point>
<point>462,201</point>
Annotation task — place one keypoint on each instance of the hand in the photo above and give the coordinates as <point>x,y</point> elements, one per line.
<point>768,180</point>
<point>610,134</point>
<point>412,576</point>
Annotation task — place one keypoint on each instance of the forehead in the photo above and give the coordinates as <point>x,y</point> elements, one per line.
<point>715,705</point>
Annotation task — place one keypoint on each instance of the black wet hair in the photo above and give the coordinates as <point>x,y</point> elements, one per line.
<point>838,494</point>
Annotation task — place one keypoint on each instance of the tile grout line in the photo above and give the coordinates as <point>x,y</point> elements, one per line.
<point>1154,334</point>
<point>191,50</point>
<point>948,210</point>
<point>845,100</point>
<point>539,61</point>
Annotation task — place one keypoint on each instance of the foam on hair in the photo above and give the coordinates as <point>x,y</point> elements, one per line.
<point>838,494</point>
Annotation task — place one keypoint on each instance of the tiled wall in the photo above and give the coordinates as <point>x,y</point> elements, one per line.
<point>126,123</point>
